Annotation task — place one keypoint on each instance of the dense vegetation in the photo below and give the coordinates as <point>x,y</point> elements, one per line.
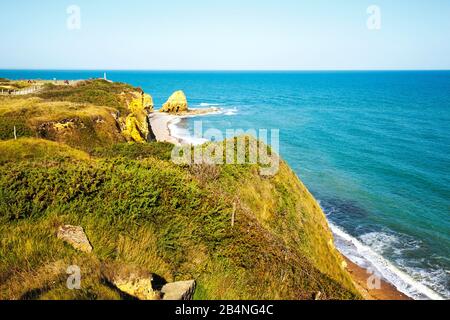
<point>142,212</point>
<point>6,84</point>
<point>98,92</point>
<point>85,115</point>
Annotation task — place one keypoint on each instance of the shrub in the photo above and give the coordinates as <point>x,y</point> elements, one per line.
<point>135,151</point>
<point>96,92</point>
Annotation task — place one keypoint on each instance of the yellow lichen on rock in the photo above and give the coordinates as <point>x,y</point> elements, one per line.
<point>176,103</point>
<point>135,130</point>
<point>139,288</point>
<point>63,126</point>
<point>141,104</point>
<point>136,123</point>
<point>148,103</point>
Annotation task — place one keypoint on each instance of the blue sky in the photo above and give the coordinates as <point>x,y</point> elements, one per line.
<point>225,35</point>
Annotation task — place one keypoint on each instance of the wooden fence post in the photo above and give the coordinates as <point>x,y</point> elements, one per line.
<point>15,133</point>
<point>233,216</point>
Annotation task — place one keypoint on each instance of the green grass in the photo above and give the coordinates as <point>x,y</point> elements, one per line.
<point>143,213</point>
<point>136,151</point>
<point>38,150</point>
<point>140,210</point>
<point>98,92</point>
<point>94,126</point>
<point>14,85</point>
<point>86,115</point>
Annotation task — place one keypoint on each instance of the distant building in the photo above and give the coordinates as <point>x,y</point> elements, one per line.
<point>106,78</point>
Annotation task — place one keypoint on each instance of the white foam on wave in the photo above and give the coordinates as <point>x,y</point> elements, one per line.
<point>366,257</point>
<point>380,242</point>
<point>183,134</point>
<point>229,112</point>
<point>220,109</point>
<point>215,110</point>
<point>211,111</point>
<point>205,104</point>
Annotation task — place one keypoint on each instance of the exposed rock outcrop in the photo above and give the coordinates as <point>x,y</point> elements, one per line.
<point>176,103</point>
<point>137,126</point>
<point>142,103</point>
<point>143,285</point>
<point>53,127</point>
<point>182,290</point>
<point>76,237</point>
<point>138,287</point>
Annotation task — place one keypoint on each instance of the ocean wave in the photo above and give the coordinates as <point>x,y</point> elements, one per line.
<point>219,106</point>
<point>229,112</point>
<point>181,133</point>
<point>360,251</point>
<point>382,242</point>
<point>437,279</point>
<point>216,111</point>
<point>205,104</point>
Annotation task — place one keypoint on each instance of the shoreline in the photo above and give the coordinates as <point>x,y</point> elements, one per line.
<point>161,123</point>
<point>368,259</point>
<point>360,278</point>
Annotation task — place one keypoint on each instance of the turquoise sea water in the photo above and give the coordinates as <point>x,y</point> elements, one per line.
<point>373,147</point>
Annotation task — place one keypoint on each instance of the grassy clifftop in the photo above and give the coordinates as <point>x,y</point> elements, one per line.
<point>85,115</point>
<point>142,212</point>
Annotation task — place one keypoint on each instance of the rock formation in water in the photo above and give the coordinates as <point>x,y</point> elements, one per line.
<point>177,103</point>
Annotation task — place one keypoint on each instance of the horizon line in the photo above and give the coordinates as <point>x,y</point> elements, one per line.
<point>220,70</point>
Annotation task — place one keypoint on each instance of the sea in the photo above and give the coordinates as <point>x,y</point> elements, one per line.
<point>372,146</point>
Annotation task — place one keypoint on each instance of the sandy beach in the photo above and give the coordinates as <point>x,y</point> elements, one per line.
<point>386,292</point>
<point>160,123</point>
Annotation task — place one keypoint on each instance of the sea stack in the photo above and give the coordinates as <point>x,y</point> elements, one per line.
<point>176,103</point>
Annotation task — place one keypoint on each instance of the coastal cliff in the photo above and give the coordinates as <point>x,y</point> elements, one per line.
<point>85,115</point>
<point>76,162</point>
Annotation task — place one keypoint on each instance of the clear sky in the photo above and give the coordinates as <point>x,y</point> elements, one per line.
<point>226,34</point>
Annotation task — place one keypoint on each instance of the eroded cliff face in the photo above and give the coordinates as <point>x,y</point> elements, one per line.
<point>137,127</point>
<point>177,103</point>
